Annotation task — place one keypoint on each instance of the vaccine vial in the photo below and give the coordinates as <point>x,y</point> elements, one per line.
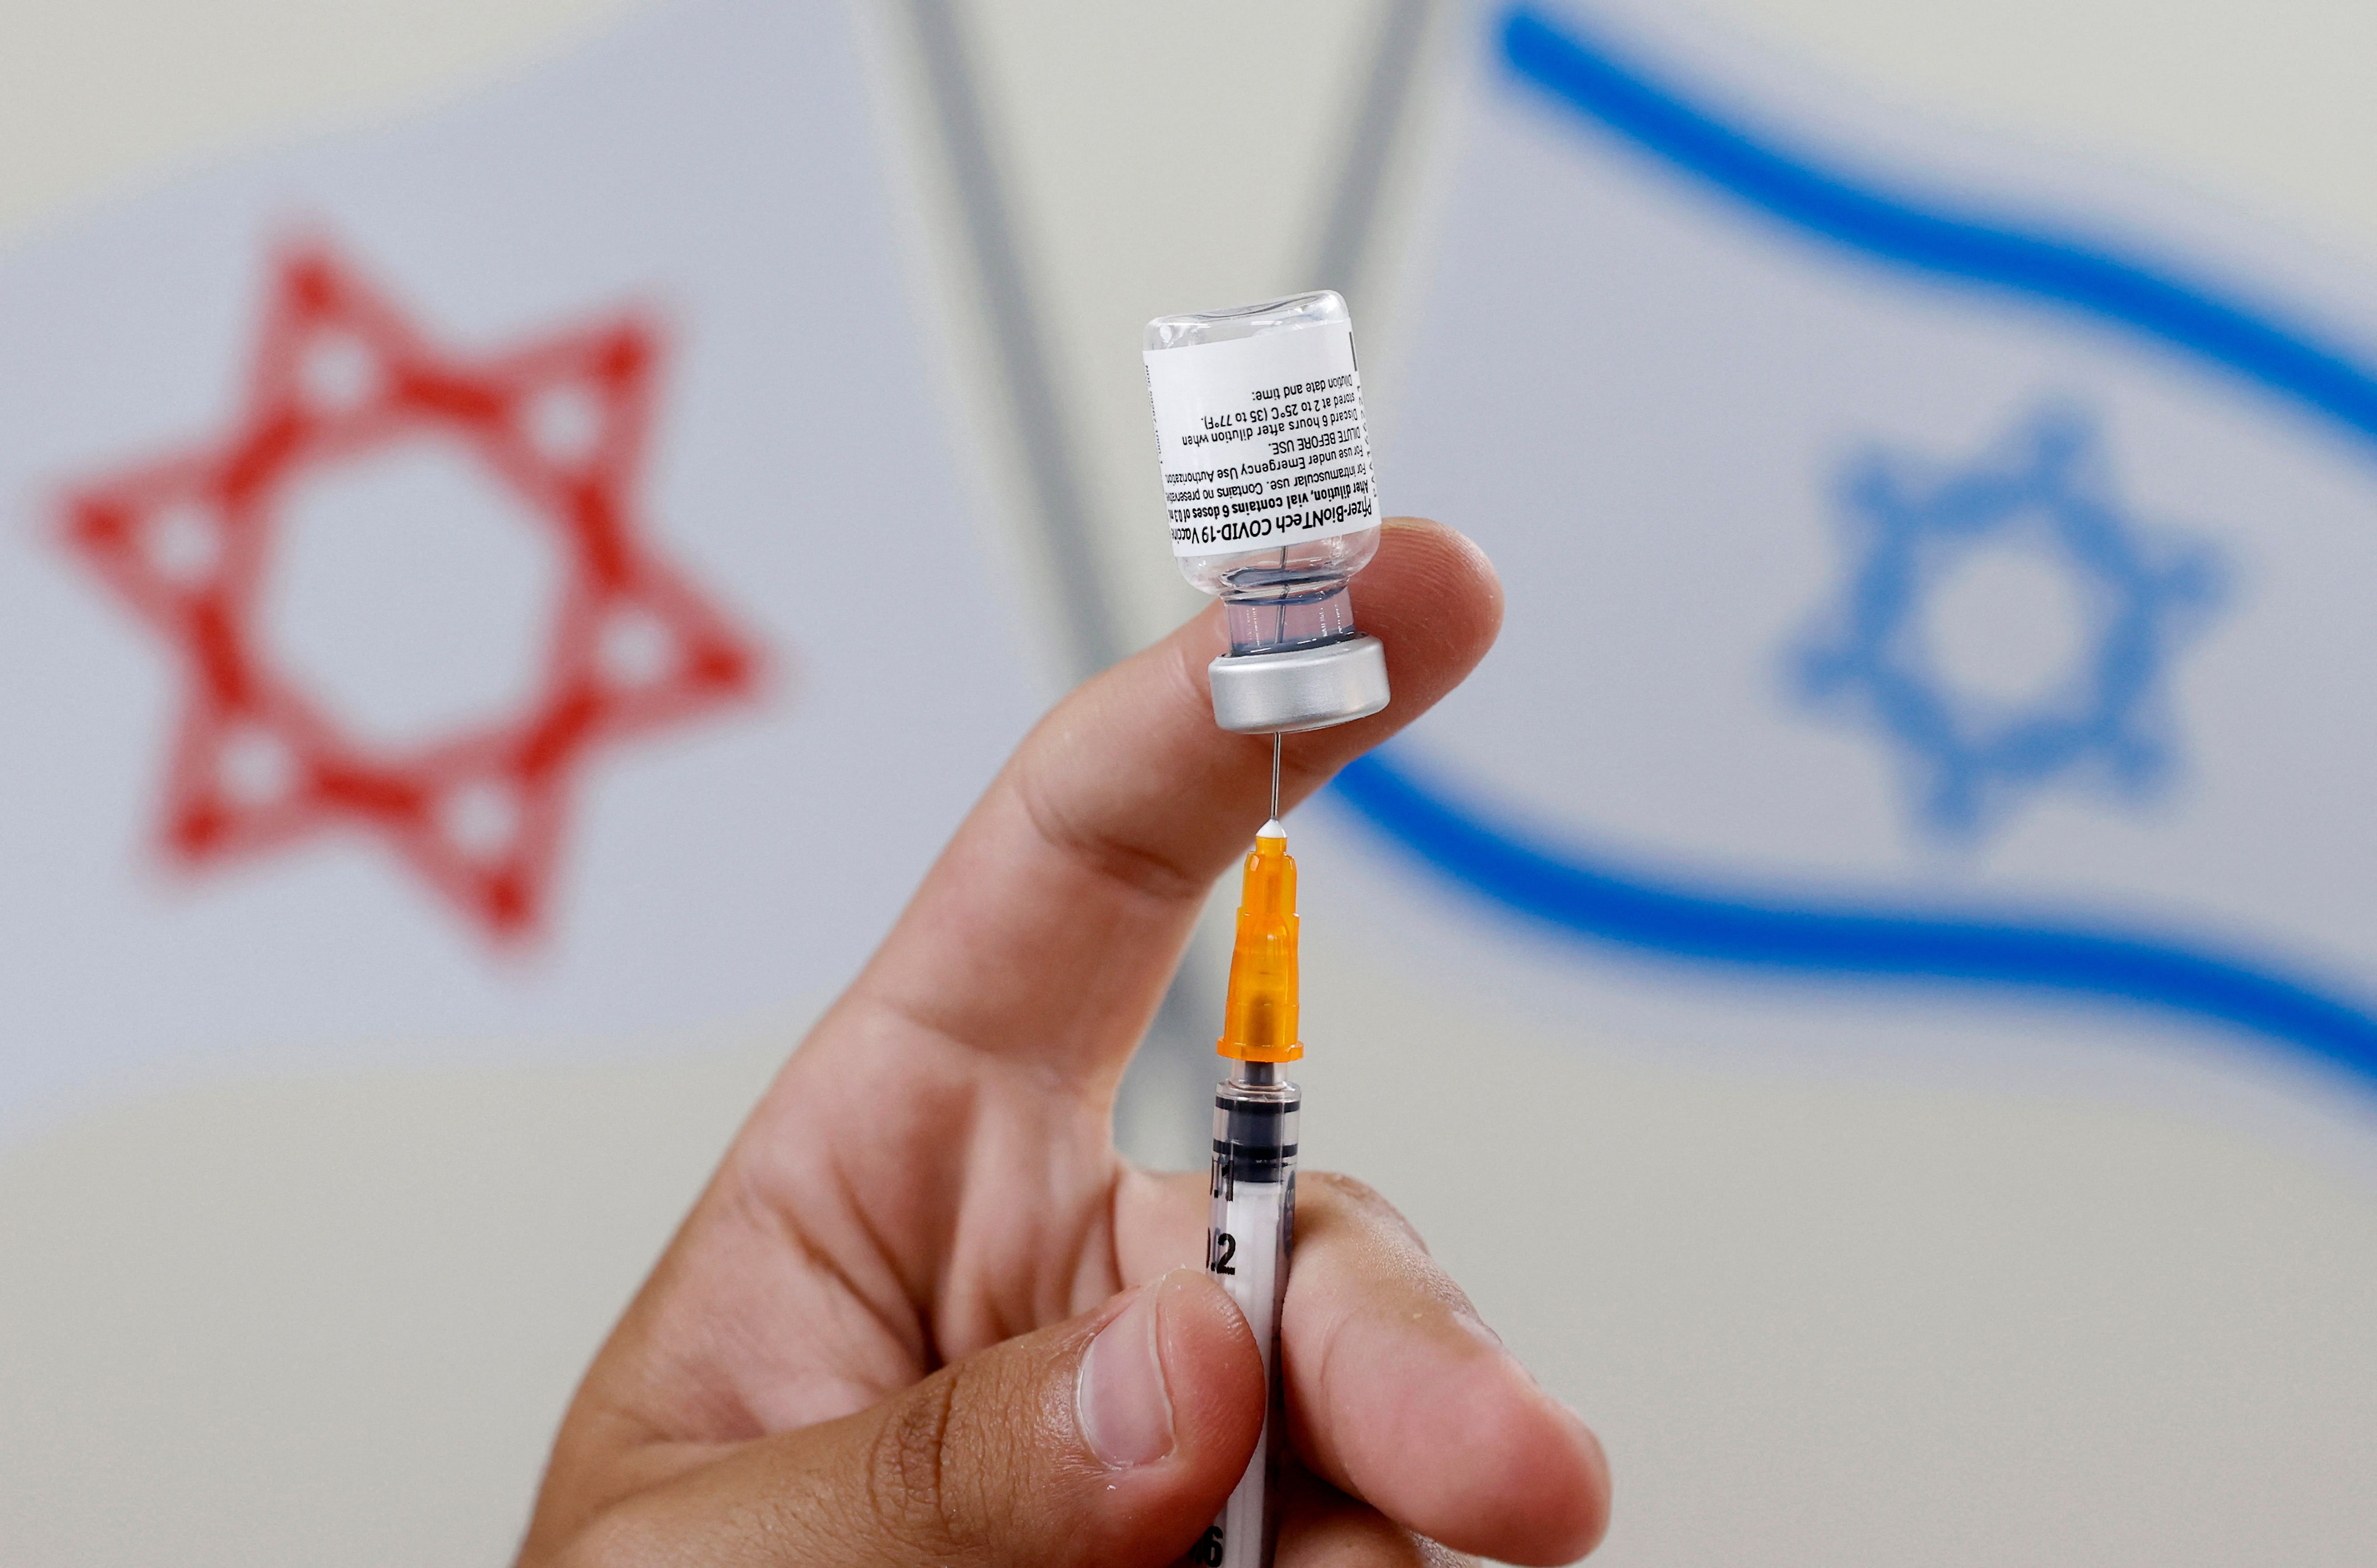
<point>1273,503</point>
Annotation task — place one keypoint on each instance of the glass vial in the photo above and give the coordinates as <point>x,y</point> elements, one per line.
<point>1266,461</point>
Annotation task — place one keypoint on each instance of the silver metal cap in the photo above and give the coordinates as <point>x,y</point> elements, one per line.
<point>1309,689</point>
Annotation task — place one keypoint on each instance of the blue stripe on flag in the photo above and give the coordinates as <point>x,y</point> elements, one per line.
<point>1581,896</point>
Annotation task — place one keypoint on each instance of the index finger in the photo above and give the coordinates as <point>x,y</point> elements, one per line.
<point>1397,1394</point>
<point>1048,927</point>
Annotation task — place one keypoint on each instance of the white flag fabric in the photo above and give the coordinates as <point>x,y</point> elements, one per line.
<point>1926,582</point>
<point>498,579</point>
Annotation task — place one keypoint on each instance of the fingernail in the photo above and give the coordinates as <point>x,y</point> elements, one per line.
<point>1124,1409</point>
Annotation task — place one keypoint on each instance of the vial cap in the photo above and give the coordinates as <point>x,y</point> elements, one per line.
<point>1309,688</point>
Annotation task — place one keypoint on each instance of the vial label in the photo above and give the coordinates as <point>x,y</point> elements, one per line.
<point>1261,440</point>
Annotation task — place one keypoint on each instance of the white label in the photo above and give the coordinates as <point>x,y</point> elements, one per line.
<point>1261,440</point>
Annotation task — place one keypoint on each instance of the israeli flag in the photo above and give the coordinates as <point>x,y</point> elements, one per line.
<point>1903,868</point>
<point>1940,581</point>
<point>461,580</point>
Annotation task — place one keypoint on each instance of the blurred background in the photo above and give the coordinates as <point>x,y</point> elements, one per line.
<point>1890,927</point>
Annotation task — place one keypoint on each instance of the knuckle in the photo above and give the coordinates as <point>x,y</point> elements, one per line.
<point>1368,1235</point>
<point>1353,1199</point>
<point>1351,1190</point>
<point>907,1472</point>
<point>616,1537</point>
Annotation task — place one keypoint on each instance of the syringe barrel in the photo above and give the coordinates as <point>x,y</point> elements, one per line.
<point>1247,1246</point>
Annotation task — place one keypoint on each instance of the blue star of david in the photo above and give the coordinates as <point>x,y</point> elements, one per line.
<point>1969,759</point>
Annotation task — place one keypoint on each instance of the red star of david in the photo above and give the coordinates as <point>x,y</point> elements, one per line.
<point>256,761</point>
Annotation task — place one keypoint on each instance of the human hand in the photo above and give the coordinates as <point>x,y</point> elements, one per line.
<point>925,1313</point>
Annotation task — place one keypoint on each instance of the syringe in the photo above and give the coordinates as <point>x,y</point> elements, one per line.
<point>1255,1116</point>
<point>1268,492</point>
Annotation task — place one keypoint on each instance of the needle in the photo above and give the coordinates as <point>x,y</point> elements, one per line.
<point>1274,776</point>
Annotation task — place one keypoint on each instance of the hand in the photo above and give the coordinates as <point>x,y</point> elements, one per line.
<point>924,1312</point>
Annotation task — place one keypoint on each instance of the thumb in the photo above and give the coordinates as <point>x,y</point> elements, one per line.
<point>1112,1439</point>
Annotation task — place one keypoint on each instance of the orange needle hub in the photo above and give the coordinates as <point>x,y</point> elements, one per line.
<point>1259,1022</point>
